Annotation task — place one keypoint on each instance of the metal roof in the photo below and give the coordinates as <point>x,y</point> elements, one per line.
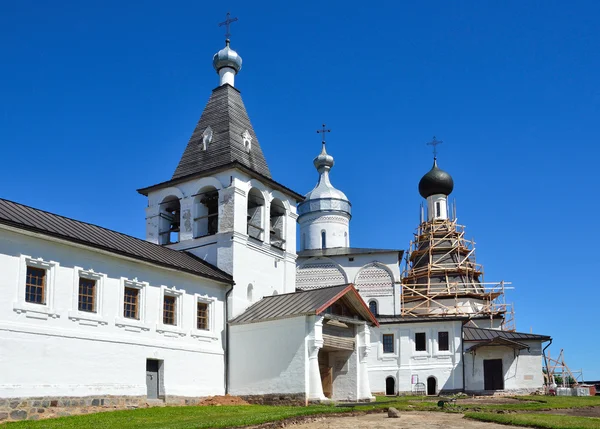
<point>482,334</point>
<point>342,251</point>
<point>309,302</point>
<point>27,218</point>
<point>388,319</point>
<point>226,115</point>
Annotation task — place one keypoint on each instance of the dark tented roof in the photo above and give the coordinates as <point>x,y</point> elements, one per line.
<point>482,334</point>
<point>226,115</point>
<point>309,302</point>
<point>342,251</point>
<point>28,218</point>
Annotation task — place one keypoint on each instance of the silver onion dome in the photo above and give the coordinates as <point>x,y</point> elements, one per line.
<point>324,197</point>
<point>227,57</point>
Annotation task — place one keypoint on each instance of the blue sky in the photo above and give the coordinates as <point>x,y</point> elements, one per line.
<point>98,99</point>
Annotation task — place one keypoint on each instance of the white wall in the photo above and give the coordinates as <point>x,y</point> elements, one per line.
<point>352,265</point>
<point>269,269</point>
<point>522,369</point>
<point>335,225</point>
<point>406,362</point>
<point>268,357</point>
<point>58,351</point>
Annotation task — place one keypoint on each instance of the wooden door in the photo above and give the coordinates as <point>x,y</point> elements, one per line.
<point>326,374</point>
<point>493,378</point>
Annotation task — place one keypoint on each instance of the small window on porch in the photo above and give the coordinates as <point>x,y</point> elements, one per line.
<point>277,217</point>
<point>373,307</point>
<point>256,204</point>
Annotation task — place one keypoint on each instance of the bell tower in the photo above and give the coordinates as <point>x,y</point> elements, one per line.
<point>222,205</point>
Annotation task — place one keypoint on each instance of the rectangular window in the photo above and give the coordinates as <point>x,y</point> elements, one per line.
<point>131,301</point>
<point>438,209</point>
<point>169,310</point>
<point>202,322</point>
<point>35,285</point>
<point>420,342</point>
<point>388,343</point>
<point>87,294</point>
<point>443,344</point>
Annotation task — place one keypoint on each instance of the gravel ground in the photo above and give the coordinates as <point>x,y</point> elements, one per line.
<point>408,420</point>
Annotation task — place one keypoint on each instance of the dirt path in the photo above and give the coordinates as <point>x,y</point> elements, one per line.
<point>408,420</point>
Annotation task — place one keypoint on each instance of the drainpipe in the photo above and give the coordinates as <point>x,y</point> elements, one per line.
<point>546,362</point>
<point>462,354</point>
<point>227,339</point>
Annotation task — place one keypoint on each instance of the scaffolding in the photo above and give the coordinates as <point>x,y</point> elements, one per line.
<point>558,373</point>
<point>442,278</point>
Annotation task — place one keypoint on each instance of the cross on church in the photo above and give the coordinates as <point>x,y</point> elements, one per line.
<point>434,143</point>
<point>227,23</point>
<point>323,131</point>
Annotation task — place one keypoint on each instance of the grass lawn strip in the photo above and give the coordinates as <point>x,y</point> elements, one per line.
<point>548,421</point>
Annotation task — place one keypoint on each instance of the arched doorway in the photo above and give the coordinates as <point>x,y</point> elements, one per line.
<point>390,386</point>
<point>431,386</point>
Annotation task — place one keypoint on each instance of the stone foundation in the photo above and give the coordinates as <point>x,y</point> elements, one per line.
<point>13,409</point>
<point>296,399</point>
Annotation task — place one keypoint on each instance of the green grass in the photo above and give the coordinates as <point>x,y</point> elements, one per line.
<point>178,417</point>
<point>235,416</point>
<point>532,403</point>
<point>547,421</point>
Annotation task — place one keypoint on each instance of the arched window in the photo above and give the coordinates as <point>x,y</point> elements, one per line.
<point>170,219</point>
<point>256,205</point>
<point>249,292</point>
<point>275,293</point>
<point>346,239</point>
<point>206,217</point>
<point>373,307</point>
<point>323,240</point>
<point>277,224</point>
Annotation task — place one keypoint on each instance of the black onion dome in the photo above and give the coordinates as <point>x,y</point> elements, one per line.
<point>436,181</point>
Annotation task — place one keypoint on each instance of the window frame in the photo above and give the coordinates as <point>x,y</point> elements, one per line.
<point>446,350</point>
<point>424,339</point>
<point>133,325</point>
<point>44,310</point>
<point>177,328</point>
<point>374,301</point>
<point>206,317</point>
<point>383,337</point>
<point>86,317</point>
<point>209,334</point>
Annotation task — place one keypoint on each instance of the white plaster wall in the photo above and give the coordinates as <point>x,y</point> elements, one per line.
<point>345,375</point>
<point>431,209</point>
<point>522,369</point>
<point>334,224</point>
<point>268,357</point>
<point>57,351</point>
<point>270,270</point>
<point>406,362</point>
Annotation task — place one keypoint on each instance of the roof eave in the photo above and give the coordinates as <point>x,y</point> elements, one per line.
<point>113,251</point>
<point>234,164</point>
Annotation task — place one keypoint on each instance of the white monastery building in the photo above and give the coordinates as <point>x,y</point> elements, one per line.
<point>219,298</point>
